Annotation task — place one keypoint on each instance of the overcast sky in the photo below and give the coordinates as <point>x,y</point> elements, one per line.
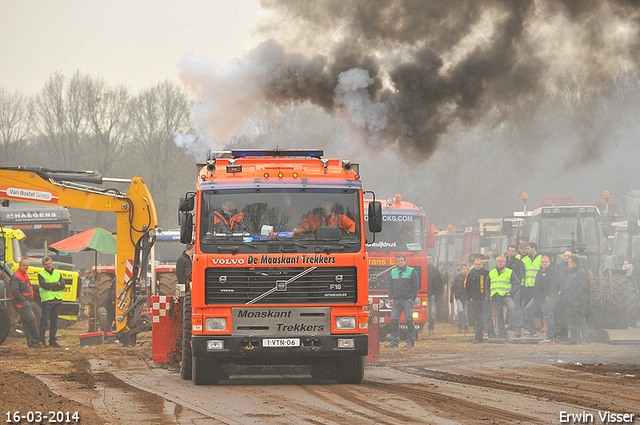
<point>136,43</point>
<point>427,96</point>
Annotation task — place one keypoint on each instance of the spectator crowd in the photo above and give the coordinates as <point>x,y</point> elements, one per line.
<point>530,289</point>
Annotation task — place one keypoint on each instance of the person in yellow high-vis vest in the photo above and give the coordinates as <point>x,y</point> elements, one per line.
<point>51,286</point>
<point>503,284</point>
<point>531,264</point>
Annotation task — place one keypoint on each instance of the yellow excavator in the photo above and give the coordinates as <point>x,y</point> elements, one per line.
<point>136,218</point>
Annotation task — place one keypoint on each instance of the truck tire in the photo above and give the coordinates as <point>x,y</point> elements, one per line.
<point>205,371</point>
<point>167,283</point>
<point>5,324</point>
<point>350,369</point>
<point>185,364</point>
<point>618,311</point>
<point>324,371</point>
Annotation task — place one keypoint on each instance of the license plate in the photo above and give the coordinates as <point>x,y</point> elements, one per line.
<point>281,342</point>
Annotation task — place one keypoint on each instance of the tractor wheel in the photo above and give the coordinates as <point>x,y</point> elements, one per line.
<point>94,297</point>
<point>618,310</point>
<point>186,363</point>
<point>129,340</point>
<point>37,311</point>
<point>167,283</point>
<point>65,324</point>
<point>350,369</point>
<point>5,324</point>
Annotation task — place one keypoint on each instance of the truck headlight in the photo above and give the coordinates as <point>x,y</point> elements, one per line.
<point>345,322</point>
<point>216,323</point>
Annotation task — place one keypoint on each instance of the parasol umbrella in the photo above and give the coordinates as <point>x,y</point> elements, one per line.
<point>96,239</point>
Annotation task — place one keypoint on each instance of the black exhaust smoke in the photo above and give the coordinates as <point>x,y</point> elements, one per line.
<point>404,72</point>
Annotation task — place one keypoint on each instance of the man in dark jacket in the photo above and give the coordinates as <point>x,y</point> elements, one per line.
<point>563,267</point>
<point>51,286</point>
<point>515,264</point>
<point>461,298</point>
<point>184,264</point>
<point>560,313</point>
<point>403,287</point>
<point>22,297</point>
<point>575,295</point>
<point>479,305</point>
<point>545,294</point>
<point>434,291</point>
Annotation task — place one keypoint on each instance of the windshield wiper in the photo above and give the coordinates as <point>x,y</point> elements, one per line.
<point>327,248</point>
<point>234,248</point>
<point>281,285</point>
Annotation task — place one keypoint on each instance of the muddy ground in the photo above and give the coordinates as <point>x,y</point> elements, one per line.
<point>444,379</point>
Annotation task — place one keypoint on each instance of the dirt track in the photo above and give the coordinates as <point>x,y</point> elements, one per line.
<point>444,379</point>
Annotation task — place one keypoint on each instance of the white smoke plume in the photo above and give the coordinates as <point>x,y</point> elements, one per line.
<point>365,114</point>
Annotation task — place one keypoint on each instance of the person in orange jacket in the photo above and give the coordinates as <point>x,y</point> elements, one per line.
<point>326,216</point>
<point>22,298</point>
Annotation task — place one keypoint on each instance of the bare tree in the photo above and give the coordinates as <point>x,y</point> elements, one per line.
<point>108,121</point>
<point>62,124</point>
<point>157,114</point>
<point>16,112</point>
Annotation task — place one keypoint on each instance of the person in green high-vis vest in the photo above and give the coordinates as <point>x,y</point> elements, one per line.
<point>51,286</point>
<point>531,264</point>
<point>403,287</point>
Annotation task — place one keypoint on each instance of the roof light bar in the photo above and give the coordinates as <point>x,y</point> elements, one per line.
<point>313,153</point>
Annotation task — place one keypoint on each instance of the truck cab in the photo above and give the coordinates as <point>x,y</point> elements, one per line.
<point>403,232</point>
<point>280,267</point>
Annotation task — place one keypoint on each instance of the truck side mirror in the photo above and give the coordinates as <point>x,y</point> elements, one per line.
<point>186,228</point>
<point>431,237</point>
<point>375,217</point>
<point>632,226</point>
<point>507,228</point>
<point>186,202</point>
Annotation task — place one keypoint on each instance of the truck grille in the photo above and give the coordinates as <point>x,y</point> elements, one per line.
<point>235,285</point>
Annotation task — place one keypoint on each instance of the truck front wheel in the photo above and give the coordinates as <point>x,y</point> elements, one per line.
<point>350,369</point>
<point>205,371</point>
<point>185,364</point>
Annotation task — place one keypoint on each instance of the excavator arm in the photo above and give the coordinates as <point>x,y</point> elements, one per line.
<point>136,219</point>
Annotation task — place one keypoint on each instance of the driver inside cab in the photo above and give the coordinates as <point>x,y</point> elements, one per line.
<point>326,215</point>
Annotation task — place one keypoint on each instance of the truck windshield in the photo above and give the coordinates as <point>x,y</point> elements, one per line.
<point>560,233</point>
<point>301,218</point>
<point>449,248</point>
<point>399,233</point>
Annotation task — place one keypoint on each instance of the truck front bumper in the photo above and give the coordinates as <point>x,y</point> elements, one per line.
<point>251,349</point>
